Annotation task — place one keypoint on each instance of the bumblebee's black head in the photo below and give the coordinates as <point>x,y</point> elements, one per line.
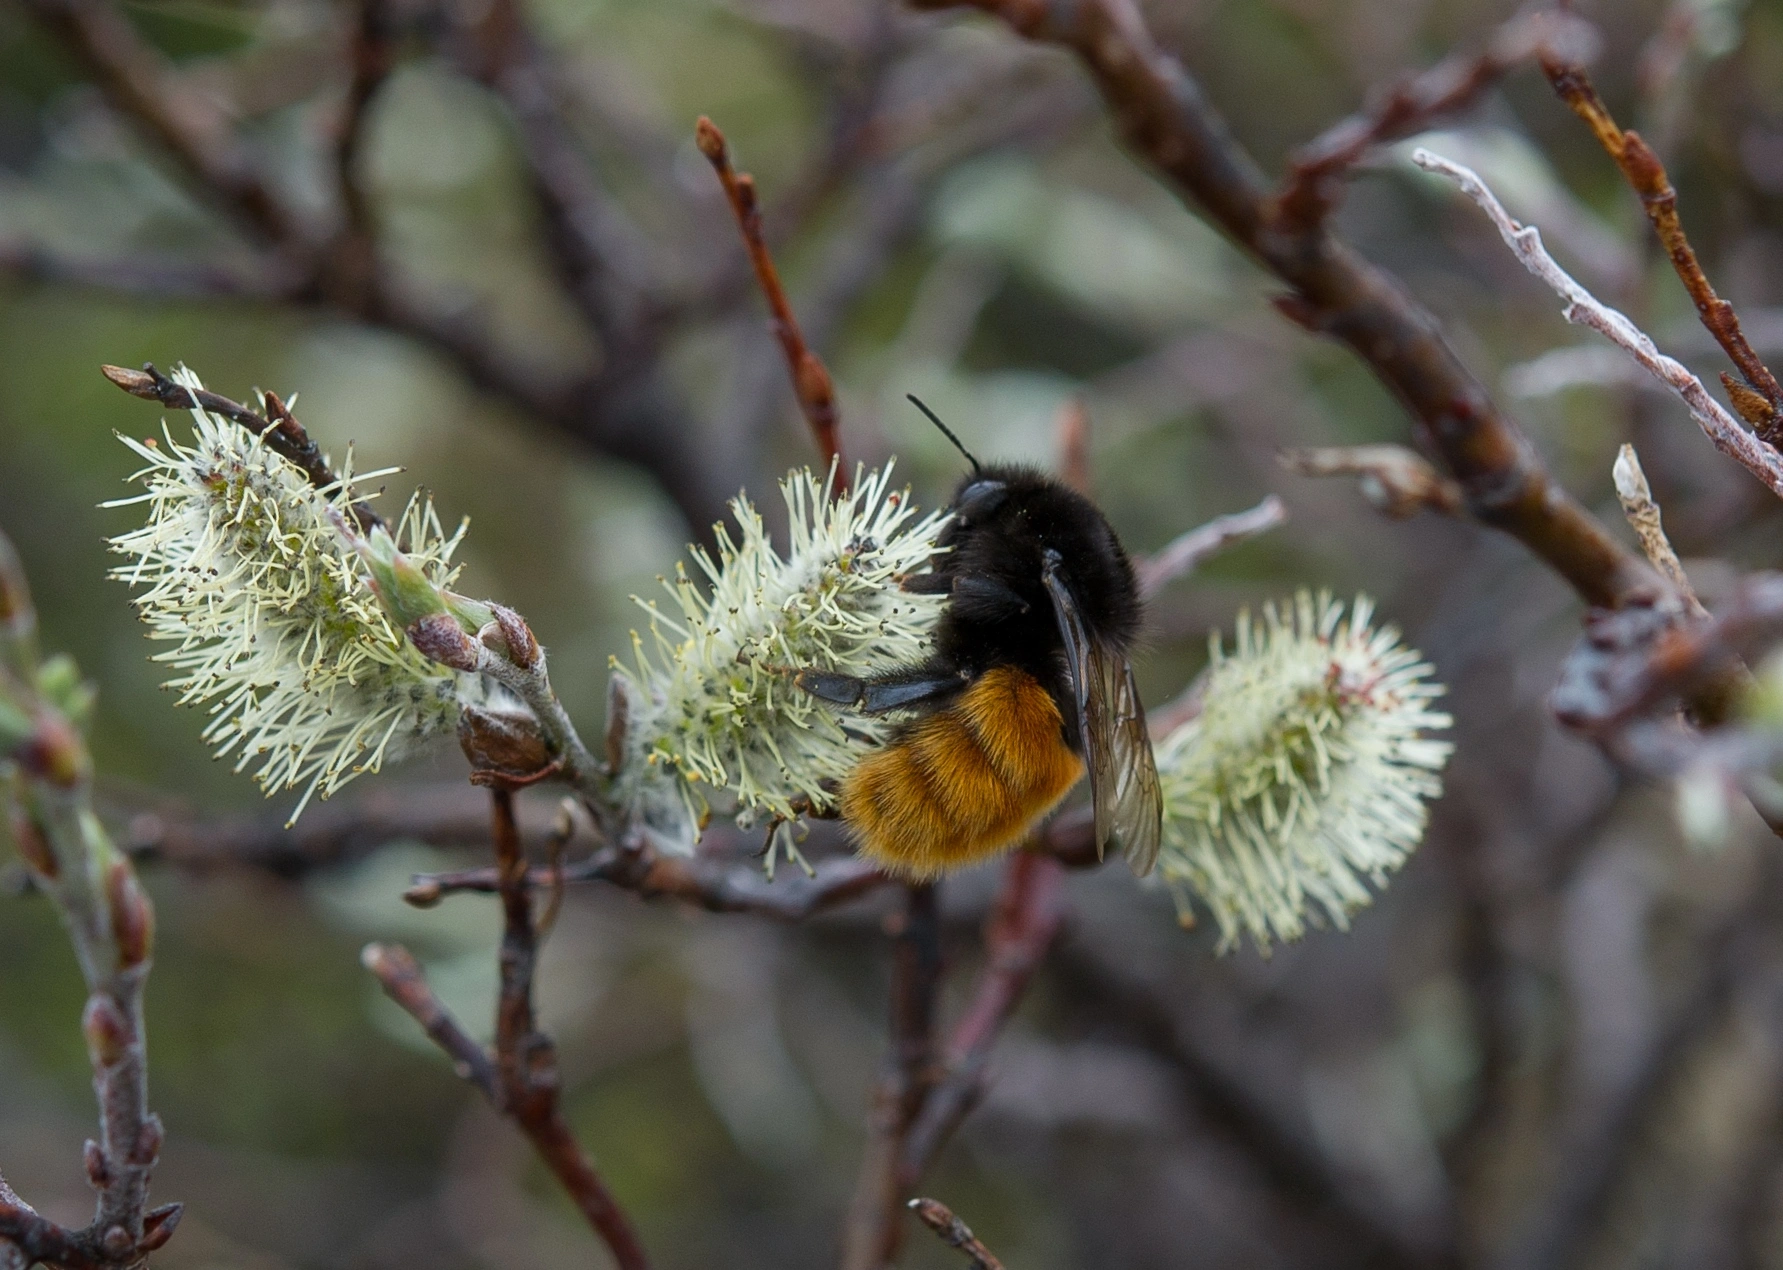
<point>1005,517</point>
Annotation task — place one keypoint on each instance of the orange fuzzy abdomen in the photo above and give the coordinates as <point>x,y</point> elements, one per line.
<point>965,783</point>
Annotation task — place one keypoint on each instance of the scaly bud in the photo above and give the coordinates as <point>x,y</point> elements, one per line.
<point>440,638</point>
<point>54,752</point>
<point>158,1225</point>
<point>132,916</point>
<point>512,638</point>
<point>107,1031</point>
<point>33,846</point>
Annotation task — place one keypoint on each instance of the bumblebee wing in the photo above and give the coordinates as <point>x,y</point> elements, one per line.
<point>1129,806</point>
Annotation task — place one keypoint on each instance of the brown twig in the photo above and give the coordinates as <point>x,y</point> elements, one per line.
<point>46,797</point>
<point>400,975</point>
<point>1397,482</point>
<point>1164,117</point>
<point>702,884</point>
<point>1759,399</point>
<point>939,1218</point>
<point>522,1079</point>
<point>1021,928</point>
<point>1312,186</point>
<point>875,1230</point>
<point>811,381</point>
<point>283,434</point>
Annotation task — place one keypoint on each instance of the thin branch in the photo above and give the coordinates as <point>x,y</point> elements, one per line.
<point>939,1218</point>
<point>811,381</point>
<point>1525,241</point>
<point>401,977</point>
<point>875,1228</point>
<point>1022,926</point>
<point>702,884</point>
<point>1760,399</point>
<point>1636,497</point>
<point>1313,184</point>
<point>46,795</point>
<point>1164,117</point>
<point>1397,482</point>
<point>522,1079</point>
<point>283,434</point>
<point>1187,552</point>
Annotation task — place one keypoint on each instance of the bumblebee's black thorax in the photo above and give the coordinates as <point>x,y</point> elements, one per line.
<point>999,612</point>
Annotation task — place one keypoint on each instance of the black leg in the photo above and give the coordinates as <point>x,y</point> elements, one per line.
<point>984,599</point>
<point>898,690</point>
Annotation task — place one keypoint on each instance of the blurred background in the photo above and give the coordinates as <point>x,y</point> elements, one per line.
<point>1557,1040</point>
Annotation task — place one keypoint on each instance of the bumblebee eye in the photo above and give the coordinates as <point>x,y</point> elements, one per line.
<point>980,499</point>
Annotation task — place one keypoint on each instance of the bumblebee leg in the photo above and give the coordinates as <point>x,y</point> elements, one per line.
<point>925,583</point>
<point>979,597</point>
<point>876,696</point>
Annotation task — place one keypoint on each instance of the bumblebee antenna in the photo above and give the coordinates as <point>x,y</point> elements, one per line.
<point>945,430</point>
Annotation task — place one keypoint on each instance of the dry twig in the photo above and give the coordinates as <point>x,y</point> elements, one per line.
<point>874,1233</point>
<point>1396,481</point>
<point>939,1218</point>
<point>522,1080</point>
<point>1643,515</point>
<point>1760,398</point>
<point>1525,241</point>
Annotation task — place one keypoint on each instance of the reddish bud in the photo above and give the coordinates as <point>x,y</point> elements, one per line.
<point>521,646</point>
<point>107,1031</point>
<point>148,1141</point>
<point>424,893</point>
<point>33,847</point>
<point>55,753</point>
<point>98,1171</point>
<point>117,1243</point>
<point>440,638</point>
<point>158,1225</point>
<point>132,916</point>
<point>813,381</point>
<point>709,139</point>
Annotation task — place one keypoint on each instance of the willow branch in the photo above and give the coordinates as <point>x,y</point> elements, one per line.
<point>874,1231</point>
<point>811,381</point>
<point>1021,928</point>
<point>521,1080</point>
<point>1163,117</point>
<point>953,1232</point>
<point>1525,241</point>
<point>1760,398</point>
<point>1396,481</point>
<point>283,434</point>
<point>699,883</point>
<point>140,83</point>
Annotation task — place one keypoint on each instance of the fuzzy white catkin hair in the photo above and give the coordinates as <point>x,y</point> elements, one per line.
<point>1306,776</point>
<point>714,715</point>
<point>273,623</point>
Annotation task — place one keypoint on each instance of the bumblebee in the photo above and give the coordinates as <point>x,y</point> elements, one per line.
<point>1028,686</point>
